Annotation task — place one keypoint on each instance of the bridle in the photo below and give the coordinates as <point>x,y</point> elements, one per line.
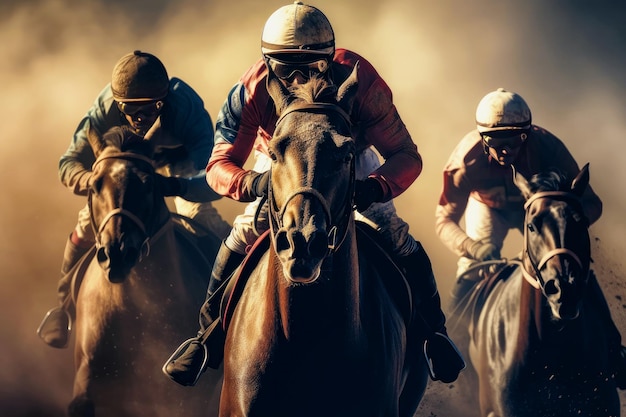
<point>338,226</point>
<point>98,228</point>
<point>536,279</point>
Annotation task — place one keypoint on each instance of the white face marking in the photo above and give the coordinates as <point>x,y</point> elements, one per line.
<point>118,171</point>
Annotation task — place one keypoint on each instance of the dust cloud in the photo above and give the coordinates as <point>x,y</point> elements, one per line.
<point>566,58</point>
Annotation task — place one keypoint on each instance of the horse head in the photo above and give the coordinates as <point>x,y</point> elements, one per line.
<point>312,172</point>
<point>124,200</point>
<point>556,239</point>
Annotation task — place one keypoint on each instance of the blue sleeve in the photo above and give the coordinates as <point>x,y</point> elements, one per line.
<point>75,164</point>
<point>186,118</point>
<point>229,117</point>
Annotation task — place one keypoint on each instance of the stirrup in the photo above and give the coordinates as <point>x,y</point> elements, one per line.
<point>190,375</point>
<point>44,322</point>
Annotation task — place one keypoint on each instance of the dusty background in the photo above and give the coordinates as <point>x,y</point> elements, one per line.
<point>565,57</point>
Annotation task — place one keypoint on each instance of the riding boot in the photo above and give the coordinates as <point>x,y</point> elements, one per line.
<point>616,349</point>
<point>206,349</point>
<point>445,362</point>
<point>55,328</point>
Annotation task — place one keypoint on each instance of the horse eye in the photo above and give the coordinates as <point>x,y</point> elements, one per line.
<point>272,155</point>
<point>531,228</point>
<point>95,184</point>
<point>348,158</point>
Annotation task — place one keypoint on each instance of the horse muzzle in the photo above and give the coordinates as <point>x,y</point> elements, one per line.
<point>117,260</point>
<point>301,254</point>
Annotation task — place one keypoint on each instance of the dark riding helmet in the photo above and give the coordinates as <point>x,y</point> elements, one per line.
<point>139,76</point>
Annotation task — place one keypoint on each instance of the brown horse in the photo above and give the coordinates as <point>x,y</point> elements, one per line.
<point>142,286</point>
<point>538,344</point>
<point>316,332</point>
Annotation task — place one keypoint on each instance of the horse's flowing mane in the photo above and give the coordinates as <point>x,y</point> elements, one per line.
<point>317,89</point>
<point>548,181</point>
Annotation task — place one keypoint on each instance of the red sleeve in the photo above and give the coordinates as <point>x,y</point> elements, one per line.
<point>378,124</point>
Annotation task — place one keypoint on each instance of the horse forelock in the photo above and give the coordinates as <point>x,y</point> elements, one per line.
<point>317,90</point>
<point>548,181</point>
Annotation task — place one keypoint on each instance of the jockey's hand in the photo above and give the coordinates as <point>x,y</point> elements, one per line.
<point>171,186</point>
<point>256,184</point>
<point>445,362</point>
<point>367,192</point>
<point>483,251</point>
<point>261,183</point>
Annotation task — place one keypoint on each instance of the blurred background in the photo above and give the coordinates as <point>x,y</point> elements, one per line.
<point>565,57</point>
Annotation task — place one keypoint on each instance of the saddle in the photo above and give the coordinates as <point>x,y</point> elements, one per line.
<point>369,248</point>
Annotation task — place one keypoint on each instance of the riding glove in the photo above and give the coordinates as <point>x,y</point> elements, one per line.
<point>483,251</point>
<point>171,186</point>
<point>256,184</point>
<point>367,192</point>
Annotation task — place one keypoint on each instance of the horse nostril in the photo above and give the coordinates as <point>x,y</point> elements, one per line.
<point>282,242</point>
<point>102,256</point>
<point>318,245</point>
<point>130,256</point>
<point>551,287</point>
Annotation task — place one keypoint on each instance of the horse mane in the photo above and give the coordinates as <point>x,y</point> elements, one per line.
<point>124,139</point>
<point>548,181</point>
<point>317,89</point>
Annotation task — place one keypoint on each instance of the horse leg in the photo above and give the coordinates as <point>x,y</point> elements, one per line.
<point>414,387</point>
<point>81,406</point>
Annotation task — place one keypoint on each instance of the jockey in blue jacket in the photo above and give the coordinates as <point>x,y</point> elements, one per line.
<point>139,96</point>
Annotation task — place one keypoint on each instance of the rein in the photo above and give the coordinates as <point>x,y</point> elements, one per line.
<point>537,280</point>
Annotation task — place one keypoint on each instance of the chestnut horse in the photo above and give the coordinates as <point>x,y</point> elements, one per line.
<point>142,286</point>
<point>316,331</point>
<point>538,344</point>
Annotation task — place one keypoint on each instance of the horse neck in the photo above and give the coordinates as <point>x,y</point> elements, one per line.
<point>534,314</point>
<point>321,305</point>
<point>161,218</point>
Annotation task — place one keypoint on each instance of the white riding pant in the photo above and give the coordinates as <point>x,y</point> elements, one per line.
<point>486,224</point>
<point>381,216</point>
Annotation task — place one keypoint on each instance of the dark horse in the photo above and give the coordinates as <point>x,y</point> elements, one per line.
<point>142,286</point>
<point>316,332</point>
<point>538,344</point>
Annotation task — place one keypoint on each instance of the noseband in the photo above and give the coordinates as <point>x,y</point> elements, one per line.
<point>339,227</point>
<point>537,280</point>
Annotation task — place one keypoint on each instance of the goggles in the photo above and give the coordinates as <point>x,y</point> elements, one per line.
<point>148,109</point>
<point>287,70</point>
<point>504,139</point>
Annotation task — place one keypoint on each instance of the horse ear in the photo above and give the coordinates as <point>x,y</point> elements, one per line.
<point>95,140</point>
<point>347,91</point>
<point>522,183</point>
<point>580,183</point>
<point>279,93</point>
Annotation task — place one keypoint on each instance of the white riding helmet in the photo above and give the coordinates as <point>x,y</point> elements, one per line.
<point>502,110</point>
<point>298,28</point>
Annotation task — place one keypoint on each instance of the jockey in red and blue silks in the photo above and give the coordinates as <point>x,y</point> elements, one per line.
<point>298,41</point>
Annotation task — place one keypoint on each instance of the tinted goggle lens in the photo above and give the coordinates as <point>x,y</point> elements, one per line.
<point>132,109</point>
<point>286,70</point>
<point>504,140</point>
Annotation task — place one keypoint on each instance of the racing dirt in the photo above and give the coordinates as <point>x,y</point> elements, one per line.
<point>565,58</point>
